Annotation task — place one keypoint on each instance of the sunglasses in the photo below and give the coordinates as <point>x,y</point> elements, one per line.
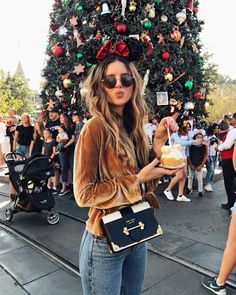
<point>110,81</point>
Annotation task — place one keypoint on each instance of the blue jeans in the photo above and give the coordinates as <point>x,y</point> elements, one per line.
<point>104,273</point>
<point>66,161</point>
<point>23,150</point>
<point>211,166</point>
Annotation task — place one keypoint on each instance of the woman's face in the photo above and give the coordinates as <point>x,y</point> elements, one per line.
<point>63,119</point>
<point>216,130</point>
<point>120,94</point>
<point>185,123</point>
<point>25,119</point>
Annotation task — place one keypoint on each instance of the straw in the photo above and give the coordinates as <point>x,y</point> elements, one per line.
<point>168,132</point>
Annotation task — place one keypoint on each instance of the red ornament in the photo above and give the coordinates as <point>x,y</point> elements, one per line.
<point>197,95</point>
<point>190,4</point>
<point>168,70</point>
<point>195,10</point>
<point>149,49</point>
<point>120,28</point>
<point>53,27</point>
<point>57,50</point>
<point>65,106</point>
<point>165,55</point>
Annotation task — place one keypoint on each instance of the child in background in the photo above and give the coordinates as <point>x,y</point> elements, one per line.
<point>49,149</point>
<point>198,155</point>
<point>61,138</point>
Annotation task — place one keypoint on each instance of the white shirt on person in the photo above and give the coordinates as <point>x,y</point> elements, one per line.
<point>150,129</point>
<point>229,141</point>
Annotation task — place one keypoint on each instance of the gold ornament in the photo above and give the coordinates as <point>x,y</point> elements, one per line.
<point>176,35</point>
<point>44,83</point>
<point>132,6</point>
<point>168,77</point>
<point>66,83</point>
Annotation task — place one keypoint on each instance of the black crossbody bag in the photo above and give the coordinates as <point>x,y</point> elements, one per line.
<point>130,226</point>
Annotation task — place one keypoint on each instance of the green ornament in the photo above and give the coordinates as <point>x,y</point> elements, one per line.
<point>104,41</point>
<point>48,47</point>
<point>43,91</point>
<point>65,2</point>
<point>147,24</point>
<point>88,65</point>
<point>79,55</point>
<point>158,1</point>
<point>79,8</point>
<point>200,61</point>
<point>188,84</point>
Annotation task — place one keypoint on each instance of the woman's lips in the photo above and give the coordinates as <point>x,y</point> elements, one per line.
<point>119,94</point>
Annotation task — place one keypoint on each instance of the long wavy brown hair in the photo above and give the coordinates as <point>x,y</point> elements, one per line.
<point>126,134</point>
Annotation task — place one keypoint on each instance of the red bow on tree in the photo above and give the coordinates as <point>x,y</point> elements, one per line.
<point>120,48</point>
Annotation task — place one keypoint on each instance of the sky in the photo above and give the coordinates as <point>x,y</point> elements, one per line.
<point>24,29</point>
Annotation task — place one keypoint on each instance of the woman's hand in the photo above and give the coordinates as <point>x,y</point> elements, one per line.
<point>161,134</point>
<point>151,171</point>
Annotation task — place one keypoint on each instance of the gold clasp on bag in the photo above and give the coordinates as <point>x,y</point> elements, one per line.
<point>126,229</point>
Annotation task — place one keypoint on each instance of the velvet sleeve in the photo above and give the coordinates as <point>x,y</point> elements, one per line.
<point>90,157</point>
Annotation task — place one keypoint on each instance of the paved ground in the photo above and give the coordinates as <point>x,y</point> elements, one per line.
<point>193,242</point>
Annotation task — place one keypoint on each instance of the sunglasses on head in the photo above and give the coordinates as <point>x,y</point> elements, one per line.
<point>110,81</point>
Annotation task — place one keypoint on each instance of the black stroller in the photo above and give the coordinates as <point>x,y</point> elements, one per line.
<point>29,179</point>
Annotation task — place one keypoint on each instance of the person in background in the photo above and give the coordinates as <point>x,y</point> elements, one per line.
<point>54,122</point>
<point>150,128</point>
<point>11,124</point>
<point>62,138</point>
<point>23,139</point>
<point>49,150</point>
<point>224,126</point>
<point>181,137</point>
<point>191,120</point>
<point>226,149</point>
<point>213,141</point>
<point>2,140</point>
<point>37,146</point>
<point>198,155</point>
<point>217,284</point>
<point>66,155</point>
<point>111,163</point>
<point>77,119</point>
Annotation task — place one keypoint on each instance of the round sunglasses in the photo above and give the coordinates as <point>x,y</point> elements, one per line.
<point>110,81</point>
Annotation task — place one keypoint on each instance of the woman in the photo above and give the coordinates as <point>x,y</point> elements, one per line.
<point>111,147</point>
<point>23,139</point>
<point>198,155</point>
<point>183,138</point>
<point>212,136</point>
<point>66,155</point>
<point>37,146</point>
<point>217,284</point>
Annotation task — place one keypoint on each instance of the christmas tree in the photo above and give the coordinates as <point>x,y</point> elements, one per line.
<point>171,65</point>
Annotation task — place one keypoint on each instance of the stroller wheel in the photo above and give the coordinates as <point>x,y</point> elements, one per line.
<point>8,214</point>
<point>53,217</point>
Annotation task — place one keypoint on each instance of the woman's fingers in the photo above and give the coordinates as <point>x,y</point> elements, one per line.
<point>154,163</point>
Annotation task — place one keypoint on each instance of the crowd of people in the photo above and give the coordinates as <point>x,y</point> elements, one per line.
<point>55,137</point>
<point>201,147</point>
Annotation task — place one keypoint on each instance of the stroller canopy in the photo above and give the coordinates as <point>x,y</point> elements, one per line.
<point>38,167</point>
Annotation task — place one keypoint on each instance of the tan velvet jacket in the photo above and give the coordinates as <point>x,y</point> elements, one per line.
<point>101,181</point>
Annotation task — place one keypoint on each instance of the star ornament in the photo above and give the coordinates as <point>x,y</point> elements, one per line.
<point>73,21</point>
<point>78,69</point>
<point>160,38</point>
<point>50,104</point>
